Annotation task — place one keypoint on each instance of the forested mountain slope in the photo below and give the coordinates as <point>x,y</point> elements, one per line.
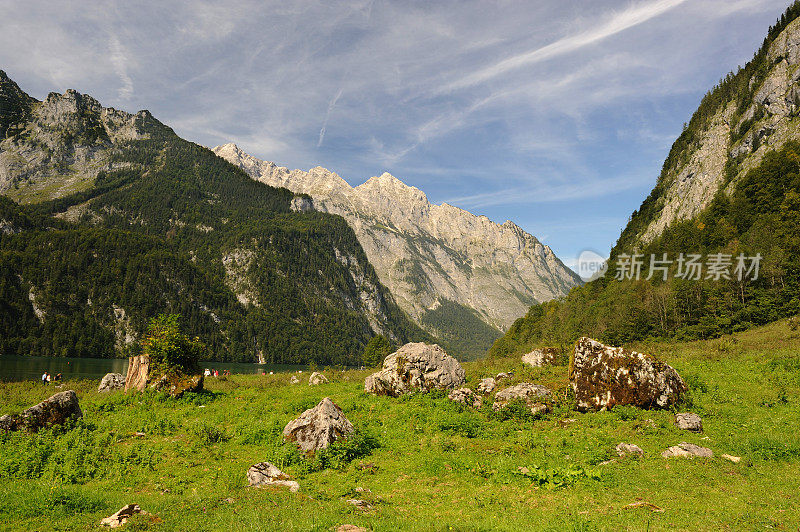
<point>729,192</point>
<point>123,220</point>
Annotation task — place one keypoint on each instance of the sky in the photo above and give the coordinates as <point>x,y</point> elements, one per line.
<point>555,114</point>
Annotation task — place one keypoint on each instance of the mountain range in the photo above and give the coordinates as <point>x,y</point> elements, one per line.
<point>115,219</point>
<point>460,276</point>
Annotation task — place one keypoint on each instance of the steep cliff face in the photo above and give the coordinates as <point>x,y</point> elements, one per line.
<point>426,254</point>
<point>752,112</point>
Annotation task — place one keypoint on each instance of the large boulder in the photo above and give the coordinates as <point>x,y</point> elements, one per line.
<point>604,377</point>
<point>55,410</point>
<point>318,427</point>
<point>111,382</point>
<point>545,356</point>
<point>536,396</point>
<point>264,474</point>
<point>173,381</point>
<point>416,367</point>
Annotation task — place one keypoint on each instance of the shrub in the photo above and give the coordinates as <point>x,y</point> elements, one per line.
<point>169,348</point>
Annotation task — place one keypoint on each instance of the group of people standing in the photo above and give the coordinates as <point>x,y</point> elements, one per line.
<point>215,372</point>
<point>47,378</point>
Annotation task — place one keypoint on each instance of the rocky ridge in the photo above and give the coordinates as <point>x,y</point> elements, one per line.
<point>427,254</point>
<point>735,137</point>
<point>68,135</point>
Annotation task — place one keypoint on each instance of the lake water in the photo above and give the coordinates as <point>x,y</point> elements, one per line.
<point>17,368</point>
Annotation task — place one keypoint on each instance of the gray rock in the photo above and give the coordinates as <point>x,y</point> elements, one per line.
<point>689,421</point>
<point>9,422</point>
<point>502,375</point>
<point>487,386</point>
<point>294,380</point>
<point>318,427</point>
<point>535,396</point>
<point>416,367</point>
<point>604,377</point>
<point>317,378</point>
<point>466,397</point>
<point>121,516</point>
<point>53,411</point>
<point>264,474</point>
<point>624,449</point>
<point>687,450</point>
<point>546,356</point>
<point>360,504</point>
<point>111,382</point>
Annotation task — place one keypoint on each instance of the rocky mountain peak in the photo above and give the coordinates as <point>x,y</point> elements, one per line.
<point>73,135</point>
<point>427,254</point>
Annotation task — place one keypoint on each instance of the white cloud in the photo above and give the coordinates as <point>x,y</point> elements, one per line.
<point>119,59</point>
<point>619,22</point>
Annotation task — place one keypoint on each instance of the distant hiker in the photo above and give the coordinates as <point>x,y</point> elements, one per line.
<point>207,373</point>
<point>58,377</point>
<point>49,378</point>
<point>44,378</point>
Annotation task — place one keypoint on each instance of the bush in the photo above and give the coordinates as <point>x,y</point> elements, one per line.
<point>170,349</point>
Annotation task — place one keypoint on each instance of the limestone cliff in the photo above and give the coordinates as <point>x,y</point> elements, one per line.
<point>751,112</point>
<point>426,254</point>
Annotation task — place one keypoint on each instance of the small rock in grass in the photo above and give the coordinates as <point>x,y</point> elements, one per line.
<point>486,386</point>
<point>122,515</point>
<point>294,380</point>
<point>532,394</point>
<point>317,378</point>
<point>546,356</point>
<point>689,421</point>
<point>360,504</point>
<point>350,528</point>
<point>687,450</point>
<point>466,397</point>
<point>111,382</point>
<point>734,459</point>
<point>503,375</point>
<point>265,474</point>
<point>624,449</point>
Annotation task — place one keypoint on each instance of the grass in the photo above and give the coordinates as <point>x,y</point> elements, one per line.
<point>430,464</point>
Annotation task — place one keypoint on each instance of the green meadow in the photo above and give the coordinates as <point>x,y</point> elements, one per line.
<point>427,463</point>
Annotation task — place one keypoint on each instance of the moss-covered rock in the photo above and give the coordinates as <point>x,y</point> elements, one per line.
<point>603,377</point>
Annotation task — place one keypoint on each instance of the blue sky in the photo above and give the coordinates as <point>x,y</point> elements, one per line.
<point>554,114</point>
